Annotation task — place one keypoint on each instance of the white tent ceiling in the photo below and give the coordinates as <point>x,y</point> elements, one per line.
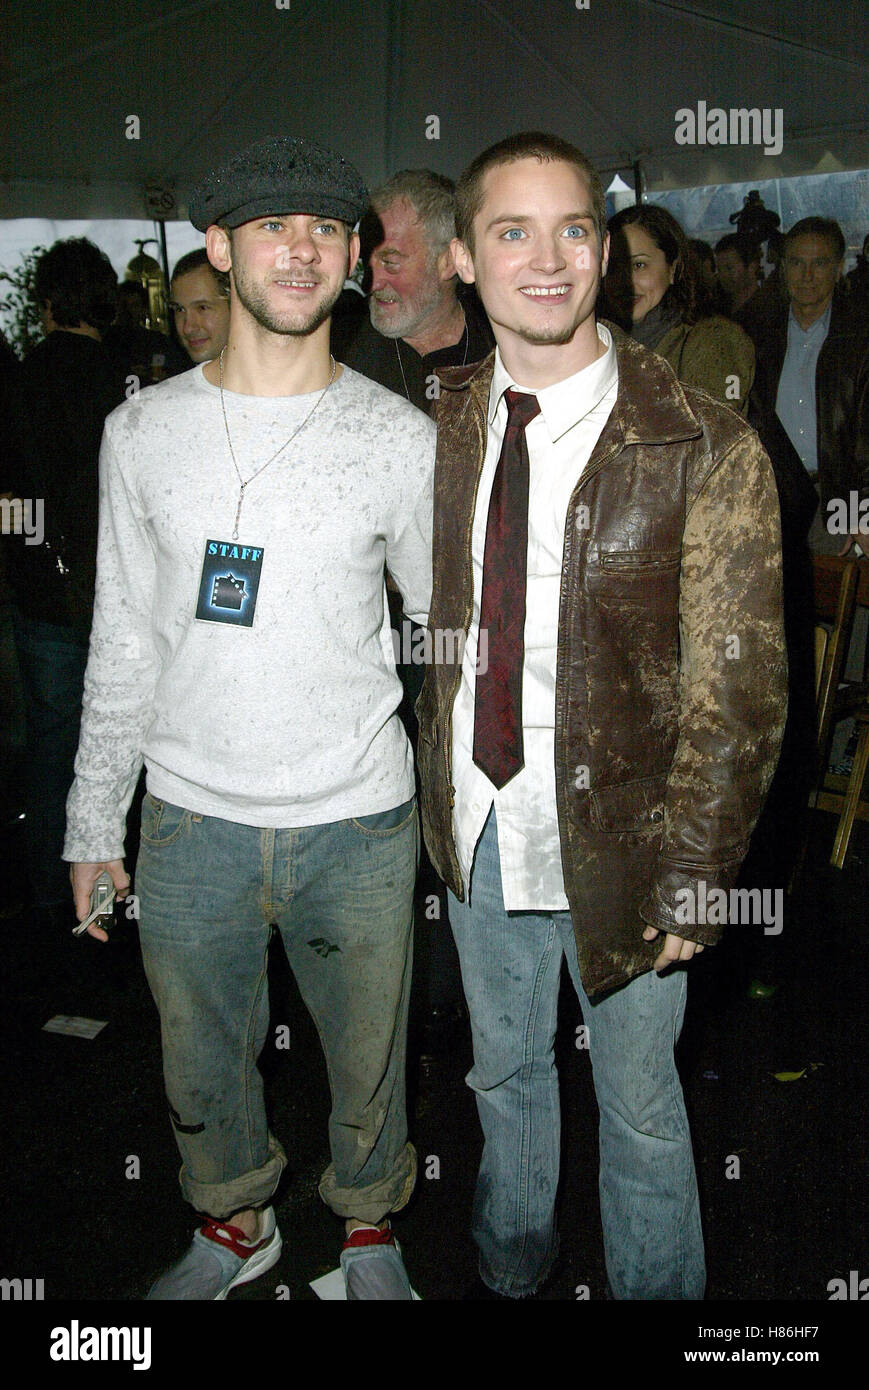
<point>206,77</point>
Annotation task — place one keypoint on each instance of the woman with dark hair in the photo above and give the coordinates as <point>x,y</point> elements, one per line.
<point>651,287</point>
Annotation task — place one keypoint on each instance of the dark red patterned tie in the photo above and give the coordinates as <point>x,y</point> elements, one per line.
<point>498,749</point>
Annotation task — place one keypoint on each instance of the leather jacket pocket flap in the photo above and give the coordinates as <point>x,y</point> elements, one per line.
<point>629,807</point>
<point>639,562</point>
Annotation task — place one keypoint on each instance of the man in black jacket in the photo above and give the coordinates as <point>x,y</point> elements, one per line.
<point>813,372</point>
<point>65,388</point>
<point>812,379</point>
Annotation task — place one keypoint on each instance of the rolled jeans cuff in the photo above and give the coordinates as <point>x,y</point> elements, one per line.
<point>372,1203</point>
<point>253,1189</point>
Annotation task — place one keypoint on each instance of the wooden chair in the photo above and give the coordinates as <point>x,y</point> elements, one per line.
<point>853,807</point>
<point>840,585</point>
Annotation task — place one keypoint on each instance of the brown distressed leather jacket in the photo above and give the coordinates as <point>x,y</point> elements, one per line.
<point>671,673</point>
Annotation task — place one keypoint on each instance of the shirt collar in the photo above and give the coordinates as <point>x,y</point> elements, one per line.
<point>567,402</point>
<point>819,325</point>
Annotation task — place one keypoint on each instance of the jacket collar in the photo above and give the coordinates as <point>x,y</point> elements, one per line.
<point>843,322</point>
<point>650,408</point>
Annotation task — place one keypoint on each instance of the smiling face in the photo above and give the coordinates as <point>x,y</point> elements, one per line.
<point>201,313</point>
<point>537,262</point>
<point>286,271</point>
<point>406,285</point>
<point>651,276</point>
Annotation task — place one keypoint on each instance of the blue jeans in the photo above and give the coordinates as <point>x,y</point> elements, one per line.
<point>52,661</point>
<point>511,966</point>
<point>342,897</point>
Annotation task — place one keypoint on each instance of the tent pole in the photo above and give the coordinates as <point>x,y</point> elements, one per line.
<point>164,253</point>
<point>639,190</point>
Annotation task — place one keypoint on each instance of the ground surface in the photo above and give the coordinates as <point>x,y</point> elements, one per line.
<point>76,1110</point>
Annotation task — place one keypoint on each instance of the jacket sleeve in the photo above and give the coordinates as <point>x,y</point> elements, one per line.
<point>732,688</point>
<point>719,357</point>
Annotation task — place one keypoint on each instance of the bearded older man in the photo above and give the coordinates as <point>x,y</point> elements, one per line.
<point>413,300</point>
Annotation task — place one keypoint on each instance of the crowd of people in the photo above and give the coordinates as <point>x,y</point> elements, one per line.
<point>638,437</point>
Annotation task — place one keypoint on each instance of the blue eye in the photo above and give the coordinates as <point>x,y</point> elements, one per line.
<point>509,234</point>
<point>580,232</point>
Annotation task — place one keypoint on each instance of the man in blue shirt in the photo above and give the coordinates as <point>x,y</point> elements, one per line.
<point>813,368</point>
<point>813,371</point>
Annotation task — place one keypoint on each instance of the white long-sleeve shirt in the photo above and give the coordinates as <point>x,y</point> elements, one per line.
<point>560,442</point>
<point>289,721</point>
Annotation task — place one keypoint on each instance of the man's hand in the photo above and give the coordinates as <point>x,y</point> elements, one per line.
<point>675,948</point>
<point>83,877</point>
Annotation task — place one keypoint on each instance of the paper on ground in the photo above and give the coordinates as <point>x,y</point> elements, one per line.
<point>75,1027</point>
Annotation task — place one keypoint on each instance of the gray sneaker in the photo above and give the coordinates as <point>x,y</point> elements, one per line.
<point>372,1266</point>
<point>220,1259</point>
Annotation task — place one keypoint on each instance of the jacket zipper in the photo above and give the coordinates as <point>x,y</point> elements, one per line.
<point>469,613</point>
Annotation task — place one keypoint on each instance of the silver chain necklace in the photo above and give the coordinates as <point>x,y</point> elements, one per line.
<point>467,337</point>
<point>244,484</point>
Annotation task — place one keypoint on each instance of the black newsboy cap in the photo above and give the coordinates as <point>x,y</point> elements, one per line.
<point>279,176</point>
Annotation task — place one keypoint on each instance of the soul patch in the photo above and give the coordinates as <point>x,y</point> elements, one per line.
<point>229,583</point>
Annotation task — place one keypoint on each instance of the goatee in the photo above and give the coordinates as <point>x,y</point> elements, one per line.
<point>256,304</point>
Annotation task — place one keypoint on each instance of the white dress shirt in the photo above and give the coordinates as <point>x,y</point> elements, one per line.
<point>560,441</point>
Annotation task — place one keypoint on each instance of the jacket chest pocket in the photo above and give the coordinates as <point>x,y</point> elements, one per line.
<point>630,807</point>
<point>643,564</point>
<point>637,581</point>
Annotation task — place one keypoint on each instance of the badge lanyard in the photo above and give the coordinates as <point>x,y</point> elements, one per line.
<point>245,483</point>
<point>229,581</point>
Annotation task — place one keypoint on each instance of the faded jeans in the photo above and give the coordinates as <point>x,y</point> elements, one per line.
<point>511,967</point>
<point>341,896</point>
